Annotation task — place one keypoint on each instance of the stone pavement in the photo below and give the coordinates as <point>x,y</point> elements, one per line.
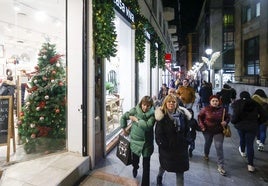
<point>201,173</point>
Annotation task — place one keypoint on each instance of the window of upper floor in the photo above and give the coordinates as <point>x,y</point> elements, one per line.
<point>258,9</point>
<point>228,40</point>
<point>251,53</point>
<point>251,11</point>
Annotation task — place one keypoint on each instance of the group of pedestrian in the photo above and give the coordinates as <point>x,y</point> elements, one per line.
<point>173,124</point>
<point>249,117</point>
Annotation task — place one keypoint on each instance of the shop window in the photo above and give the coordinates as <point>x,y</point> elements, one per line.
<point>32,49</point>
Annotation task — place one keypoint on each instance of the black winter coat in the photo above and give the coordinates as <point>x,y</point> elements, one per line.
<point>172,143</point>
<point>247,115</point>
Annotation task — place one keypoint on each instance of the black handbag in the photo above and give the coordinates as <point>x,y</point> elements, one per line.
<point>123,151</point>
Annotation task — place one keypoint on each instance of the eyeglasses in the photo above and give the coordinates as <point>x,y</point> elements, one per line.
<point>171,101</point>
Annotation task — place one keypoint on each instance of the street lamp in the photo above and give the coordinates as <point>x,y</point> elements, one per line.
<point>210,61</point>
<point>209,52</point>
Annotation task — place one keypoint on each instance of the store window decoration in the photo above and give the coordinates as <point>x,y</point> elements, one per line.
<point>42,121</point>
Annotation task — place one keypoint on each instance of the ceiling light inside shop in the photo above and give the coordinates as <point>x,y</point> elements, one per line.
<point>16,8</point>
<point>40,16</point>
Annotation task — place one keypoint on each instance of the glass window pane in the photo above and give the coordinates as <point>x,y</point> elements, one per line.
<point>32,34</point>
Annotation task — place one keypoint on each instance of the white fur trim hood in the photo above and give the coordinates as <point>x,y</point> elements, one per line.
<point>160,115</point>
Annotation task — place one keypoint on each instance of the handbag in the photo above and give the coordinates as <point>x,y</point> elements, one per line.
<point>123,151</point>
<point>226,129</point>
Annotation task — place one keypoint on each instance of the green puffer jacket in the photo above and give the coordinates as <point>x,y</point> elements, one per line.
<point>142,132</point>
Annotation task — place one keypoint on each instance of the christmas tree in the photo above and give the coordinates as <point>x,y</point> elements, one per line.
<point>42,122</point>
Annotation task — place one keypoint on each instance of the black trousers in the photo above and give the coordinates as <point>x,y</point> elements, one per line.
<point>146,168</point>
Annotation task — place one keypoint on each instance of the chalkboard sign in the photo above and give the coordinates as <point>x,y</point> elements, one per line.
<point>5,117</point>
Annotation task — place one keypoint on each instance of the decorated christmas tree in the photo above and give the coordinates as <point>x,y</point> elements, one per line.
<point>42,123</point>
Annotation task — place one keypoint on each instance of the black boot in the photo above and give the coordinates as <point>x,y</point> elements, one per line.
<point>135,172</point>
<point>159,181</point>
<point>190,153</point>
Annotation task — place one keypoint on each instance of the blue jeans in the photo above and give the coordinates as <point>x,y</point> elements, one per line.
<point>261,134</point>
<point>247,142</point>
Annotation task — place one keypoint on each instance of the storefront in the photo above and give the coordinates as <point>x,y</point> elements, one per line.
<point>33,61</point>
<point>120,72</point>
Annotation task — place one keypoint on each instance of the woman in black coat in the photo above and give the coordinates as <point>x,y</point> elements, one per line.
<point>171,137</point>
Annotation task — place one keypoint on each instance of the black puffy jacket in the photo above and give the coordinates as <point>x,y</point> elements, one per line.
<point>247,115</point>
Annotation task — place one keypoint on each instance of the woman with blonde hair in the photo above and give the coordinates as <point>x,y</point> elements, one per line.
<point>171,137</point>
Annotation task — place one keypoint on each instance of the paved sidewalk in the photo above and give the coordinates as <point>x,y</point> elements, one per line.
<point>201,172</point>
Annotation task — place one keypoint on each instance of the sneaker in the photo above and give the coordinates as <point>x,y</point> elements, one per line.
<point>206,157</point>
<point>251,168</point>
<point>159,180</point>
<point>258,142</point>
<point>261,147</point>
<point>221,170</point>
<point>243,154</point>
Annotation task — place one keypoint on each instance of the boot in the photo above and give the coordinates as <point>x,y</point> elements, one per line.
<point>159,181</point>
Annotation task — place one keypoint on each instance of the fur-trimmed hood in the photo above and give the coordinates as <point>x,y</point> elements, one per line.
<point>259,99</point>
<point>160,115</point>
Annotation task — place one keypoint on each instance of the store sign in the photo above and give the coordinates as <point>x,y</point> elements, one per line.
<point>168,57</point>
<point>124,11</point>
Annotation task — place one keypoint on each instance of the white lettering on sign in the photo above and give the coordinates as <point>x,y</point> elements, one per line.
<point>124,9</point>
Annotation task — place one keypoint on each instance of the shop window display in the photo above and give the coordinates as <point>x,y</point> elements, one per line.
<point>32,50</point>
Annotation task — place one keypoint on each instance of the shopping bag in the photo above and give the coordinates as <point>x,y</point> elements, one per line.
<point>123,151</point>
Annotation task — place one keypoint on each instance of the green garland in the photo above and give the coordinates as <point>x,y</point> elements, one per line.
<point>104,33</point>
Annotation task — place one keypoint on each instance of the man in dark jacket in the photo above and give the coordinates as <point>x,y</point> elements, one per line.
<point>205,92</point>
<point>227,94</point>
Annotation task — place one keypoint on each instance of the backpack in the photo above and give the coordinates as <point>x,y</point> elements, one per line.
<point>265,108</point>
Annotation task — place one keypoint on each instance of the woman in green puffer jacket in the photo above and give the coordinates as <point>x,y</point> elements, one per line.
<point>141,135</point>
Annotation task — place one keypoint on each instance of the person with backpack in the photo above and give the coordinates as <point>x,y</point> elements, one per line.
<point>247,115</point>
<point>260,97</point>
<point>171,133</point>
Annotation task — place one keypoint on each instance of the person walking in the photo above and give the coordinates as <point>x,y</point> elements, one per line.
<point>247,115</point>
<point>227,95</point>
<point>163,91</point>
<point>193,127</point>
<point>141,135</point>
<point>260,97</point>
<point>171,137</point>
<point>173,91</point>
<point>205,92</point>
<point>211,120</point>
<point>186,94</point>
